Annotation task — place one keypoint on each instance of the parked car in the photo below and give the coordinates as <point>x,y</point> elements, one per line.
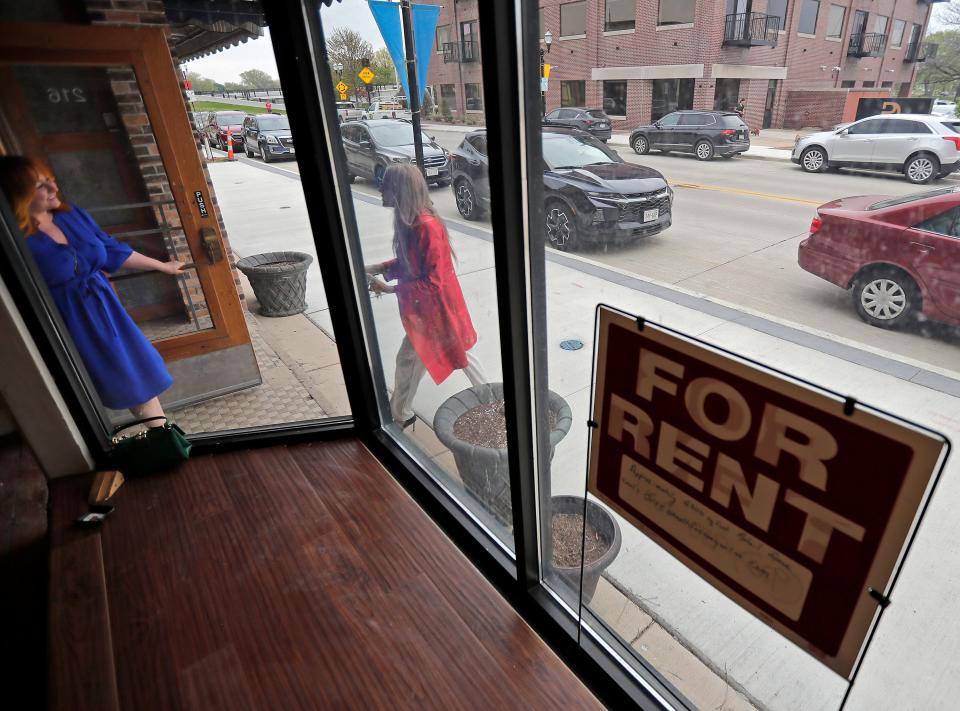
<point>219,123</point>
<point>900,256</point>
<point>923,147</point>
<point>704,133</point>
<point>267,135</point>
<point>348,111</point>
<point>386,110</point>
<point>594,121</point>
<point>942,107</point>
<point>371,146</point>
<point>592,195</point>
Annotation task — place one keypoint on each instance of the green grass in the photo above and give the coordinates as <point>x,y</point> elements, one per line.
<point>221,106</point>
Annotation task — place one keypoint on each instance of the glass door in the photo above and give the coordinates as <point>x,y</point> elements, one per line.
<point>102,108</point>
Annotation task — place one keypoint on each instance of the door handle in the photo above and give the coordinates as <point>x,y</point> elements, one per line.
<point>211,244</point>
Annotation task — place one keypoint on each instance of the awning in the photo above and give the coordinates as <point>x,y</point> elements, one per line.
<point>202,27</point>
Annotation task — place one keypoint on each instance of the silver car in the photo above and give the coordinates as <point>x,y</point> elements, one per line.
<point>923,147</point>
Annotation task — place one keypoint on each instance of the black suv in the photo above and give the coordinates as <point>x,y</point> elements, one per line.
<point>594,121</point>
<point>703,133</point>
<point>373,144</point>
<point>267,135</point>
<point>219,123</point>
<point>591,194</point>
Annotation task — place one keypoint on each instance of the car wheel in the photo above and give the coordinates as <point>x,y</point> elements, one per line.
<point>813,160</point>
<point>885,297</point>
<point>466,200</point>
<point>921,168</point>
<point>703,150</point>
<point>641,145</point>
<point>378,176</point>
<point>246,149</point>
<point>561,227</point>
<point>264,154</point>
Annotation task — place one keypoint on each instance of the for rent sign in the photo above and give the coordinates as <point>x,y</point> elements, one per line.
<point>761,485</point>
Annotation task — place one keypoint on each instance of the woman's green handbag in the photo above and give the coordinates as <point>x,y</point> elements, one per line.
<point>153,450</point>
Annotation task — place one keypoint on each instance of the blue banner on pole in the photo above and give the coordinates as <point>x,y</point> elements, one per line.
<point>424,31</point>
<point>387,16</point>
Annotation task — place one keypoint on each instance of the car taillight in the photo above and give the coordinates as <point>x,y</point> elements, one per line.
<point>815,225</point>
<point>728,132</point>
<point>955,140</point>
<point>589,122</point>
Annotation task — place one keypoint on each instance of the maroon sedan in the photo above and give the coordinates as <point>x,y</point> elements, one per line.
<point>899,255</point>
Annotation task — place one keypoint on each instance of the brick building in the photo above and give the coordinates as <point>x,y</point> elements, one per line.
<point>795,62</point>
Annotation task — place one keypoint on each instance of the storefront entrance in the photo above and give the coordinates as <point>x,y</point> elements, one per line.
<point>102,106</point>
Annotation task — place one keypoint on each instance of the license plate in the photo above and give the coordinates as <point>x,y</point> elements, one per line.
<point>432,171</point>
<point>651,215</point>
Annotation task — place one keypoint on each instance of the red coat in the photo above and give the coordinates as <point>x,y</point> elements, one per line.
<point>432,308</point>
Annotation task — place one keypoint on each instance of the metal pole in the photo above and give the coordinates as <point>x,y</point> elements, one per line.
<point>414,99</point>
<point>543,96</point>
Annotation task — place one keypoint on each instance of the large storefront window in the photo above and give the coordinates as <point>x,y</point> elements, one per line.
<point>726,95</point>
<point>615,98</point>
<point>573,93</point>
<point>671,95</point>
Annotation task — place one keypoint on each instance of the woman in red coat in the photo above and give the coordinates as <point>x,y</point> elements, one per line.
<point>439,333</point>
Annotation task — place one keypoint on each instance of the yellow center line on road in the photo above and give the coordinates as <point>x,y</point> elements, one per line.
<point>751,193</point>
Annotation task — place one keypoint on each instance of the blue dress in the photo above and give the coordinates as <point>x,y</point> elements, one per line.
<point>125,367</point>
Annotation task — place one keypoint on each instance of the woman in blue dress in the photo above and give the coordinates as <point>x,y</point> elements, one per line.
<point>72,253</point>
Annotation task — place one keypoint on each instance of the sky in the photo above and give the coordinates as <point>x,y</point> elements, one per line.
<point>258,53</point>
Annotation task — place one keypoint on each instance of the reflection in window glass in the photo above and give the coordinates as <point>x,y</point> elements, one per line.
<point>573,93</point>
<point>835,20</point>
<point>671,95</point>
<point>448,98</point>
<point>896,40</point>
<point>473,97</point>
<point>809,9</point>
<point>621,15</point>
<point>677,12</point>
<point>615,98</point>
<point>573,19</point>
<point>778,8</point>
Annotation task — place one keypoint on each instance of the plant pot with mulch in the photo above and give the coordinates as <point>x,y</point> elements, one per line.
<point>279,281</point>
<point>600,544</point>
<point>471,425</point>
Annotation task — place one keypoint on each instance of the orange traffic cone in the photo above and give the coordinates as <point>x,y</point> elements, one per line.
<point>230,145</point>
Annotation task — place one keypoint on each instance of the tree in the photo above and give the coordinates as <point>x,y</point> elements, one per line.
<point>939,75</point>
<point>346,47</point>
<point>202,83</point>
<point>381,64</point>
<point>257,79</point>
<point>233,86</point>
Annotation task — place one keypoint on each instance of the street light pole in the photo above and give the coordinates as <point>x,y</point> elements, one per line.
<point>547,40</point>
<point>414,99</point>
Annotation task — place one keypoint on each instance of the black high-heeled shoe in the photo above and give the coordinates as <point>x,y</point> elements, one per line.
<point>412,422</point>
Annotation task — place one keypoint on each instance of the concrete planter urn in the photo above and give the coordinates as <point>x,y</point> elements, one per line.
<point>279,281</point>
<point>484,470</point>
<point>608,529</point>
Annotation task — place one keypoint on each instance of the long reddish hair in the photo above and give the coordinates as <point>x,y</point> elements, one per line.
<point>18,181</point>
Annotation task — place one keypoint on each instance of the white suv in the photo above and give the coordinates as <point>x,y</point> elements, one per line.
<point>921,146</point>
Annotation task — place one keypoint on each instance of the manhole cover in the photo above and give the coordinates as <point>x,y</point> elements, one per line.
<point>571,345</point>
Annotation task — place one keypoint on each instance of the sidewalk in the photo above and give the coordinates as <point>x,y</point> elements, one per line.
<point>713,633</point>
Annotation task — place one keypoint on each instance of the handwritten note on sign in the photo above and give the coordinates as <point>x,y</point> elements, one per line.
<point>762,486</point>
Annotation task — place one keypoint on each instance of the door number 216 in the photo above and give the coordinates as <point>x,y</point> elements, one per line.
<point>66,95</point>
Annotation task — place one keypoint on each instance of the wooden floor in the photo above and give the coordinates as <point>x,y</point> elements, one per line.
<point>282,578</point>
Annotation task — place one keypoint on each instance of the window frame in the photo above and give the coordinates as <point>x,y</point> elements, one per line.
<point>692,8</point>
<point>606,17</point>
<point>816,17</point>
<point>582,94</point>
<point>571,35</point>
<point>843,19</point>
<point>626,96</point>
<point>898,43</point>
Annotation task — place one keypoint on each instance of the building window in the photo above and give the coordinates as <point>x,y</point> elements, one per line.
<point>671,95</point>
<point>469,41</point>
<point>621,15</point>
<point>726,96</point>
<point>473,97</point>
<point>847,84</point>
<point>444,36</point>
<point>886,84</point>
<point>573,93</point>
<point>615,98</point>
<point>677,12</point>
<point>809,9</point>
<point>897,39</point>
<point>880,26</point>
<point>835,21</point>
<point>448,98</point>
<point>573,19</point>
<point>778,8</point>
<point>540,11</point>
<point>869,84</point>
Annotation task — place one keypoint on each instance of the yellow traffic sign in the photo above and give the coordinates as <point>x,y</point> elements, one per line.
<point>343,96</point>
<point>366,75</point>
<point>342,88</point>
<point>546,71</point>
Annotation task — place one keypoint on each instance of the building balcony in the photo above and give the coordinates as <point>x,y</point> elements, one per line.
<point>751,29</point>
<point>461,52</point>
<point>867,44</point>
<point>918,52</point>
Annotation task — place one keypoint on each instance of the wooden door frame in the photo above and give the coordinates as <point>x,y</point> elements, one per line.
<point>147,52</point>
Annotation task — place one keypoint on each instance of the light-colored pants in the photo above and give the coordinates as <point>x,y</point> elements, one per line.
<point>409,372</point>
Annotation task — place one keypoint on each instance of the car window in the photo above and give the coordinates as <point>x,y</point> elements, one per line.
<point>951,126</point>
<point>596,113</point>
<point>708,119</point>
<point>225,118</point>
<point>554,114</point>
<point>732,122</point>
<point>943,224</point>
<point>274,123</point>
<point>670,120</point>
<point>394,134</point>
<point>904,199</point>
<point>902,126</point>
<point>691,120</point>
<point>349,133</point>
<point>564,151</point>
<point>869,126</point>
<point>479,143</point>
<point>567,114</point>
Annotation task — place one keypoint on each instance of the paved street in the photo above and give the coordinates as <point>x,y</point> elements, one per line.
<point>737,224</point>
